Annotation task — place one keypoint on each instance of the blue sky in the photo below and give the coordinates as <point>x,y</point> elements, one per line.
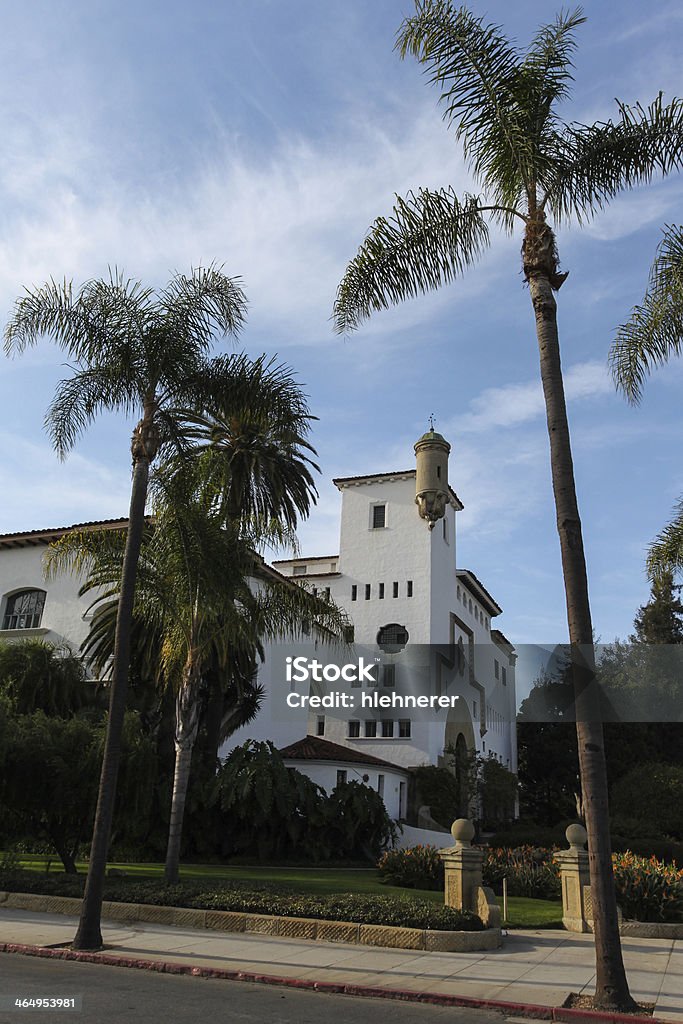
<point>267,136</point>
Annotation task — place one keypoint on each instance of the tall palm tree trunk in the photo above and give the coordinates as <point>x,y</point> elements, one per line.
<point>187,722</point>
<point>89,934</point>
<point>611,990</point>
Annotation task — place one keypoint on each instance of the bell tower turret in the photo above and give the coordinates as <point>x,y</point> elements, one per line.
<point>431,484</point>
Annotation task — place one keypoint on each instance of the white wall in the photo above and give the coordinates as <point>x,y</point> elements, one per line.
<point>325,774</point>
<point>65,618</point>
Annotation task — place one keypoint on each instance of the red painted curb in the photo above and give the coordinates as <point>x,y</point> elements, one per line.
<point>531,1010</point>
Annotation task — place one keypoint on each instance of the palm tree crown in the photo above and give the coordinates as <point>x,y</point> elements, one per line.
<point>502,103</point>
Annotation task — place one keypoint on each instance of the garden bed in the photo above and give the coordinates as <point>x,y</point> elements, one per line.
<point>475,937</point>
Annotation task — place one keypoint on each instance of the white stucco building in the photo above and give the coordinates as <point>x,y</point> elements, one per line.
<point>441,676</point>
<point>426,626</point>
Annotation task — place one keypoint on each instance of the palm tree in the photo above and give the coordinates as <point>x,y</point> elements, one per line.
<point>651,337</point>
<point>243,479</point>
<point>209,598</point>
<point>535,171</point>
<point>137,352</point>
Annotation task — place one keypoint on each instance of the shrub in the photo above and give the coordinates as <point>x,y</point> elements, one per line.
<point>530,871</point>
<point>276,813</point>
<point>648,890</point>
<point>418,867</point>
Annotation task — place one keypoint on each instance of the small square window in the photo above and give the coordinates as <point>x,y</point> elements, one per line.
<point>320,726</point>
<point>387,729</point>
<point>349,634</point>
<point>504,676</point>
<point>381,591</point>
<point>371,728</point>
<point>496,669</point>
<point>299,570</point>
<point>404,728</point>
<point>354,592</point>
<point>354,730</point>
<point>341,776</point>
<point>388,675</point>
<point>409,588</point>
<point>395,586</point>
<point>379,517</point>
<point>368,591</point>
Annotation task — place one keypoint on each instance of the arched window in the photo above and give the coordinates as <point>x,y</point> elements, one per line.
<point>24,610</point>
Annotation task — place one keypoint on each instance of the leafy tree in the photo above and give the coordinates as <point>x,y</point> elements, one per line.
<point>548,759</point>
<point>48,783</point>
<point>652,793</point>
<point>660,621</point>
<point>439,790</point>
<point>534,170</point>
<point>133,351</point>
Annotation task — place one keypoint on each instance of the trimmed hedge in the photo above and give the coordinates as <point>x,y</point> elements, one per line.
<point>266,899</point>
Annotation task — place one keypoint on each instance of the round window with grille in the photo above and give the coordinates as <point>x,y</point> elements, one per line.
<point>392,638</point>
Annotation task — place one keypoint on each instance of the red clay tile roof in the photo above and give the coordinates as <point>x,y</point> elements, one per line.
<point>314,748</point>
<point>36,537</point>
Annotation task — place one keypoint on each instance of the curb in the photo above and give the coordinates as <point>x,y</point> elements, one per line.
<point>530,1010</point>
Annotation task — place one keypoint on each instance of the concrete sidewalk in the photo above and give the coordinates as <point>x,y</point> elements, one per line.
<point>533,968</point>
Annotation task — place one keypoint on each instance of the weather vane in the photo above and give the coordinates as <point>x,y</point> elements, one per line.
<point>431,420</point>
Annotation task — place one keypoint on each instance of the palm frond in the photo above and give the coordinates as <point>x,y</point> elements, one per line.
<point>429,240</point>
<point>81,552</point>
<point>596,162</point>
<point>549,59</point>
<point>478,69</point>
<point>545,79</point>
<point>207,301</point>
<point>79,399</point>
<point>104,313</point>
<point>654,332</point>
<point>665,554</point>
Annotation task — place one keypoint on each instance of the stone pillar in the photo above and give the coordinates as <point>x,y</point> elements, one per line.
<point>575,880</point>
<point>462,866</point>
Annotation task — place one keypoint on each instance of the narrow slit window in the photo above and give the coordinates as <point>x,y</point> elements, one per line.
<point>379,517</point>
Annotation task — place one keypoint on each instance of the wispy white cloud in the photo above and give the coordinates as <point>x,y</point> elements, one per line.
<point>514,404</point>
<point>40,492</point>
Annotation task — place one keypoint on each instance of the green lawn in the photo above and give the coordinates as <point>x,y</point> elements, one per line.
<point>522,912</point>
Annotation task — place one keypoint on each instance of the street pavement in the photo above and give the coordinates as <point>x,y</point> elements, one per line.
<point>539,968</point>
<point>108,996</point>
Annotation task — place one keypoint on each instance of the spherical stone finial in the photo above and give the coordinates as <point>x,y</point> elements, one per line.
<point>576,836</point>
<point>462,831</point>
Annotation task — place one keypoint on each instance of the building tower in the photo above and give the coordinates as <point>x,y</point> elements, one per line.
<point>431,482</point>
